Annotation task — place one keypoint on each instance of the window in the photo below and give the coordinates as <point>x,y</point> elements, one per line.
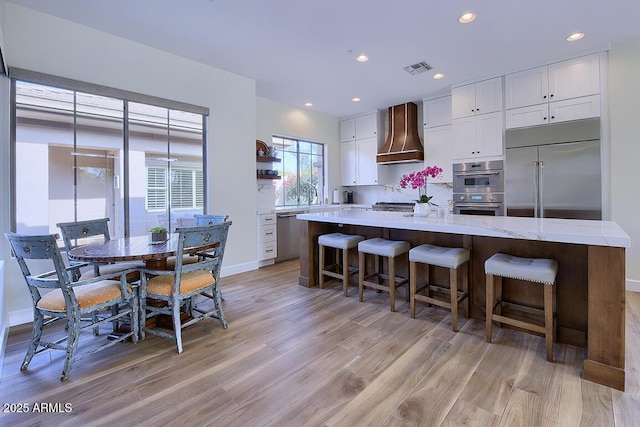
<point>156,188</point>
<point>83,155</point>
<point>185,188</point>
<point>302,172</point>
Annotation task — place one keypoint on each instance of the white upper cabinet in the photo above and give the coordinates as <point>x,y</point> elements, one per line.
<point>367,126</point>
<point>359,137</point>
<point>527,87</point>
<point>574,109</point>
<point>437,112</point>
<point>359,165</point>
<point>562,81</point>
<point>478,136</point>
<point>349,160</point>
<point>439,150</point>
<point>477,98</point>
<point>574,78</point>
<point>359,128</point>
<point>347,130</point>
<point>367,168</point>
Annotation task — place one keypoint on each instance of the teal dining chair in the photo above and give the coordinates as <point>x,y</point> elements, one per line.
<point>56,296</point>
<point>189,285</point>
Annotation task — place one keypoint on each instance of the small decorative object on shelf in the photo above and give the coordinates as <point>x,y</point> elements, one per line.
<point>158,234</point>
<point>273,152</point>
<point>261,148</point>
<point>418,180</point>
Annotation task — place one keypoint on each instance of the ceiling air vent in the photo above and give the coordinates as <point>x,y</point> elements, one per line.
<point>418,68</point>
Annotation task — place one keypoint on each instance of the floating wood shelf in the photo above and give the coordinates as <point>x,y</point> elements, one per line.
<point>267,159</point>
<point>269,177</point>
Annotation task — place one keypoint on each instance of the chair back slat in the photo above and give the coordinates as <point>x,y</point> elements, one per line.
<point>41,247</point>
<point>210,219</point>
<point>214,235</point>
<point>77,232</point>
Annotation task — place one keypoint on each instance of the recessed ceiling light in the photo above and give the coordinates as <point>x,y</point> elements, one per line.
<point>466,17</point>
<point>362,58</point>
<point>438,76</point>
<point>308,104</point>
<point>575,36</point>
<point>355,99</point>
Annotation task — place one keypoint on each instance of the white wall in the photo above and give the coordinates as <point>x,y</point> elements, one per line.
<point>275,118</point>
<point>46,44</point>
<point>624,111</point>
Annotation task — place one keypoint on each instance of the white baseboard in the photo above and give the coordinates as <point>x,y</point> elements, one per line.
<point>238,268</point>
<point>633,285</point>
<point>3,345</point>
<point>20,317</point>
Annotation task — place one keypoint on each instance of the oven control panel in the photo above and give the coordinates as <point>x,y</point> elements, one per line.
<point>479,198</point>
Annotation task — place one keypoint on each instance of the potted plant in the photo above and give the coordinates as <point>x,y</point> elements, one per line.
<point>158,234</point>
<point>419,180</point>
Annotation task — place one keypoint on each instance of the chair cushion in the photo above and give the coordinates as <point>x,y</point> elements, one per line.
<point>383,247</point>
<point>186,259</point>
<point>340,240</point>
<point>163,285</point>
<point>438,255</point>
<point>537,270</point>
<point>114,268</point>
<point>87,296</point>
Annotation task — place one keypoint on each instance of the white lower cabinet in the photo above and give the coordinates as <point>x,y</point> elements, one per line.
<point>268,237</point>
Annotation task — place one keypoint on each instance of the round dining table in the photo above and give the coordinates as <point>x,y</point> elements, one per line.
<point>137,248</point>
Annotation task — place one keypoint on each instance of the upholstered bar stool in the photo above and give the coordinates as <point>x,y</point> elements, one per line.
<point>452,258</point>
<point>389,249</point>
<point>339,269</point>
<point>536,270</point>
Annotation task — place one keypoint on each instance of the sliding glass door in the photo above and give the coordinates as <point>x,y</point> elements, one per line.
<point>82,155</point>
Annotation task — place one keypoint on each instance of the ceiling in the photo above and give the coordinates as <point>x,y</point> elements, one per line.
<point>302,51</point>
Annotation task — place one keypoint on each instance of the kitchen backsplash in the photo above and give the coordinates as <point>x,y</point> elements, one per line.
<point>371,194</point>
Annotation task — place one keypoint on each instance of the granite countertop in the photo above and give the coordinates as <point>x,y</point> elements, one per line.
<point>598,233</point>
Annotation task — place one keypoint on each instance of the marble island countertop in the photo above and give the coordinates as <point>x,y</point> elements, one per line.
<point>598,233</point>
<point>313,208</point>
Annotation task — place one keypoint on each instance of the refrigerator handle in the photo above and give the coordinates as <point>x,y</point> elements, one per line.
<point>536,179</point>
<point>541,187</point>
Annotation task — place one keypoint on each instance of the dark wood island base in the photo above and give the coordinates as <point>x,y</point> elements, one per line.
<point>590,303</point>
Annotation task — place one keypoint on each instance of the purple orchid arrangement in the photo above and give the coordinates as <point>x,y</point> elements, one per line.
<point>418,180</point>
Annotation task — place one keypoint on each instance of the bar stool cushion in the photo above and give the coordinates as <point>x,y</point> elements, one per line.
<point>340,240</point>
<point>383,247</point>
<point>438,255</point>
<point>538,270</point>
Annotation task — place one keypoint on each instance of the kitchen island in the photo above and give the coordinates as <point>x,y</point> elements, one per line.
<point>590,301</point>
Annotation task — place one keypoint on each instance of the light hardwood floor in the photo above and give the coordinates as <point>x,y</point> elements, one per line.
<point>294,356</point>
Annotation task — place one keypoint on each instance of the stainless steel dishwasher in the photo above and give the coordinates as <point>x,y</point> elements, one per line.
<point>288,235</point>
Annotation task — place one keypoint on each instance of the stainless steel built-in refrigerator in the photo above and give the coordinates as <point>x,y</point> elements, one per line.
<point>553,171</point>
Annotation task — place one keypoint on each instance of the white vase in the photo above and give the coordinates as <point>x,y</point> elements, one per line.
<point>421,209</point>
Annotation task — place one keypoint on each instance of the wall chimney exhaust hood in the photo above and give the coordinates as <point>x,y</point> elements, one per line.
<point>403,142</point>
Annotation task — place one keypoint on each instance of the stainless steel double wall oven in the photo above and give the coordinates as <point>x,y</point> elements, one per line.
<point>478,188</point>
